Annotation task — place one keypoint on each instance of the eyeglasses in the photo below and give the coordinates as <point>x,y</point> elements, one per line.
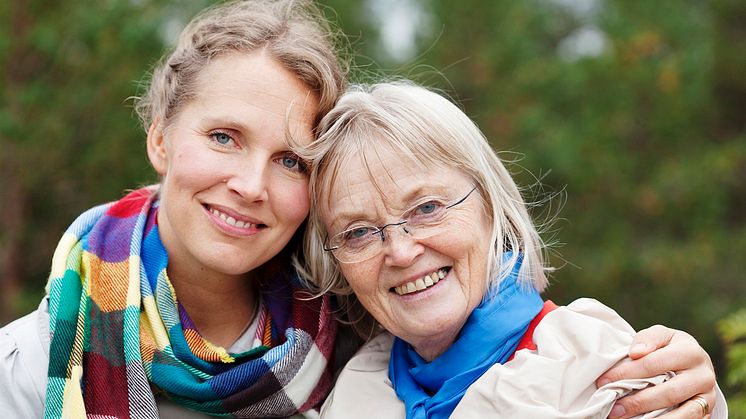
<point>361,242</point>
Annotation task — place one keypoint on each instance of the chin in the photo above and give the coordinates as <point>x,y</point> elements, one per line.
<point>231,266</point>
<point>444,327</point>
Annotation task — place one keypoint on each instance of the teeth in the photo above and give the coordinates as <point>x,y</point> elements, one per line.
<point>421,283</point>
<point>230,220</point>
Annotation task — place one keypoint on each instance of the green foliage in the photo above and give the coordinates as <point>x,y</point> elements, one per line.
<point>68,138</point>
<point>733,331</point>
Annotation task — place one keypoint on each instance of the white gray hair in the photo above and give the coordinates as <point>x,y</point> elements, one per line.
<point>427,129</point>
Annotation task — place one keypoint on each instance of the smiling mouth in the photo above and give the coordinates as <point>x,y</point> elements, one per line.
<point>423,283</point>
<point>232,221</point>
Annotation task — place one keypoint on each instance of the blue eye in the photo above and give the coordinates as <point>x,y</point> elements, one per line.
<point>357,237</point>
<point>357,233</point>
<point>221,138</point>
<point>293,163</point>
<point>427,208</point>
<point>426,213</point>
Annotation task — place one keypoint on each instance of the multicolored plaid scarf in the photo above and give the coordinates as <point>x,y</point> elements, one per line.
<point>119,334</point>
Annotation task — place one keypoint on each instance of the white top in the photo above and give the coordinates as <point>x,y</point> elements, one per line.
<point>575,345</point>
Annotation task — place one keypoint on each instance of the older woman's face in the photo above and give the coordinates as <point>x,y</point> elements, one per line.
<point>390,284</point>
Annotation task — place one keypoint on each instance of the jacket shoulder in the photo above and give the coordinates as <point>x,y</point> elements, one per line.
<point>363,386</point>
<point>24,357</point>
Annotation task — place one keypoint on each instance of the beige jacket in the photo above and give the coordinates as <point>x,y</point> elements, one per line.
<point>575,345</point>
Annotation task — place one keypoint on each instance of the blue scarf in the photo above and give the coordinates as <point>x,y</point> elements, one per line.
<point>490,336</point>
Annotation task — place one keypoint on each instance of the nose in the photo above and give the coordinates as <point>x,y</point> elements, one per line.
<point>250,181</point>
<point>400,249</point>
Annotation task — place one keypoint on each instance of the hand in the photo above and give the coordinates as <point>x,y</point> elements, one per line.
<point>654,351</point>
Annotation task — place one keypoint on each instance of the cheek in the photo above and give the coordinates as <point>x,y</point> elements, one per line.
<point>362,279</point>
<point>292,200</point>
<point>478,258</point>
<point>191,180</point>
<point>469,249</point>
<point>191,168</point>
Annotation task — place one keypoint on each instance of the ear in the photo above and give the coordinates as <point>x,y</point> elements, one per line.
<point>157,148</point>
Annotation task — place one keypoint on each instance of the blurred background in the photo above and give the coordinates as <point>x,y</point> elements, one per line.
<point>632,112</point>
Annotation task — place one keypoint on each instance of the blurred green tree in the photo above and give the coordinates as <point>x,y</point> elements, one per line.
<point>733,331</point>
<point>68,137</point>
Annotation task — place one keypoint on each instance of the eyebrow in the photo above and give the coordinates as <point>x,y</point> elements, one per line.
<point>217,121</point>
<point>346,217</point>
<point>226,122</point>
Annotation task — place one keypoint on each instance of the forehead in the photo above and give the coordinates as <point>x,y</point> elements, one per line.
<point>380,180</point>
<point>244,83</point>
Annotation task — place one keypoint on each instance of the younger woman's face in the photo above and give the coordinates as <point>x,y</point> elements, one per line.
<point>232,193</point>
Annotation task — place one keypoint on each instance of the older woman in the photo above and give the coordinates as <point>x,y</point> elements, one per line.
<point>414,213</point>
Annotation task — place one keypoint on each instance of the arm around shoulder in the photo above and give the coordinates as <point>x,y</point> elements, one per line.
<point>574,346</point>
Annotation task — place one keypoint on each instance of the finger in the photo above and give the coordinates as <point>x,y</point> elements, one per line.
<point>679,389</point>
<point>684,355</point>
<point>689,409</point>
<point>650,339</point>
<point>618,372</point>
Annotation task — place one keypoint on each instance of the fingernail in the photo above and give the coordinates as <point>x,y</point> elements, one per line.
<point>603,381</point>
<point>617,411</point>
